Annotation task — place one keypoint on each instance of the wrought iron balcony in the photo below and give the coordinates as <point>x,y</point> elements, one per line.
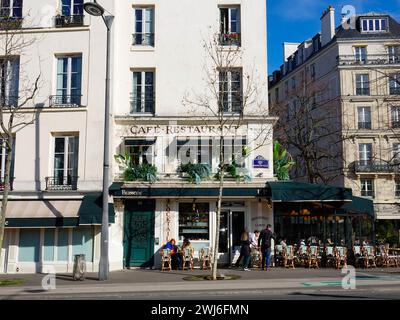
<point>144,104</point>
<point>10,23</point>
<point>376,167</point>
<point>369,59</point>
<point>143,39</point>
<point>69,21</point>
<point>61,183</point>
<point>230,39</point>
<point>2,184</point>
<point>66,101</point>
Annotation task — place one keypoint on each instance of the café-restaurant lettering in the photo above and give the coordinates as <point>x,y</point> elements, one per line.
<point>180,129</point>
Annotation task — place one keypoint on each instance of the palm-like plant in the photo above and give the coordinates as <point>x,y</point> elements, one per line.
<point>131,172</point>
<point>283,162</point>
<point>196,171</point>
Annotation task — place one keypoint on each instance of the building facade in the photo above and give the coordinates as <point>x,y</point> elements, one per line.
<point>348,75</point>
<point>158,64</point>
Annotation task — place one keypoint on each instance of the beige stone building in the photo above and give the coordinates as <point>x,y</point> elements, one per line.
<point>350,72</point>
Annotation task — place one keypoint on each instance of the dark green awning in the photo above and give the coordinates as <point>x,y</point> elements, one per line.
<point>41,222</point>
<point>289,191</point>
<point>360,205</point>
<point>90,211</point>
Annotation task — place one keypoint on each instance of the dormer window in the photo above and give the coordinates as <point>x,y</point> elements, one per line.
<point>374,25</point>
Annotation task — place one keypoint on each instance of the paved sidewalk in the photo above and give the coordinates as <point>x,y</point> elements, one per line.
<point>157,281</point>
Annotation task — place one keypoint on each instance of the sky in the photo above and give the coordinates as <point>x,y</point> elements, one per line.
<point>298,20</point>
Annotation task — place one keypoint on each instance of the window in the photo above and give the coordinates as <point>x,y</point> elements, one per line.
<point>82,242</point>
<point>394,84</point>
<point>65,166</point>
<point>62,244</point>
<point>142,97</point>
<point>365,153</point>
<point>397,188</point>
<point>374,25</point>
<point>195,150</point>
<point>230,90</point>
<point>141,151</point>
<point>9,82</point>
<point>71,14</point>
<point>395,117</point>
<point>394,54</point>
<point>29,245</point>
<point>367,188</point>
<point>286,87</point>
<point>11,9</point>
<point>194,221</point>
<point>48,244</point>
<point>3,157</point>
<point>364,117</point>
<point>293,83</point>
<point>277,94</point>
<point>361,54</point>
<point>362,85</point>
<point>69,78</point>
<point>230,25</point>
<point>144,27</point>
<point>396,152</point>
<point>235,150</point>
<point>312,71</point>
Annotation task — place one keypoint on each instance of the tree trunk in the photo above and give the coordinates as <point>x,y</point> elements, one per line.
<point>6,191</point>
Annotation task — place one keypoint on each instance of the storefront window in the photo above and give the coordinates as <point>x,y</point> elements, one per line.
<point>29,245</point>
<point>82,242</point>
<point>194,221</point>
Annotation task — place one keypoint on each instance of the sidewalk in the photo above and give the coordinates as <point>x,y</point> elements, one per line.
<point>157,281</point>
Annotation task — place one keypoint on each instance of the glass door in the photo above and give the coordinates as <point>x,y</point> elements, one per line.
<point>231,229</point>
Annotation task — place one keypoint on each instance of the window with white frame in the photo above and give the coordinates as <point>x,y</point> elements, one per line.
<point>394,54</point>
<point>361,54</point>
<point>195,150</point>
<point>230,90</point>
<point>230,25</point>
<point>367,188</point>
<point>141,151</point>
<point>69,81</point>
<point>143,92</point>
<point>396,153</point>
<point>11,8</point>
<point>9,82</point>
<point>362,85</point>
<point>71,8</point>
<point>394,84</point>
<point>397,188</point>
<point>143,33</point>
<point>3,158</point>
<point>365,153</point>
<point>65,165</point>
<point>395,117</point>
<point>364,117</point>
<point>374,24</point>
<point>235,150</point>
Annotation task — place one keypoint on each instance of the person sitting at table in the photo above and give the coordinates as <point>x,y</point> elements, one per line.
<point>175,255</point>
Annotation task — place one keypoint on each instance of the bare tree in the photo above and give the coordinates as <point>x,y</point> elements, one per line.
<point>312,129</point>
<point>232,98</point>
<point>17,93</point>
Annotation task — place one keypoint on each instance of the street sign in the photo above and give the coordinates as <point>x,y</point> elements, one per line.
<point>260,163</point>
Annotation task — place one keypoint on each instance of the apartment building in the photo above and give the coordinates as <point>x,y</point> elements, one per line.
<point>54,208</point>
<point>349,75</point>
<point>158,61</point>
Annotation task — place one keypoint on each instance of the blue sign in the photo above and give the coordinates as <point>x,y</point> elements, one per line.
<point>260,163</point>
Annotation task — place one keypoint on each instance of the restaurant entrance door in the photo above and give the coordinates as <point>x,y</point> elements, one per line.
<point>231,229</point>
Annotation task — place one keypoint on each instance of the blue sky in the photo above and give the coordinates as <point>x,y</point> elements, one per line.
<point>297,20</point>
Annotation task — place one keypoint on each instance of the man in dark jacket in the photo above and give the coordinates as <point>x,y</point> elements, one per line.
<point>264,241</point>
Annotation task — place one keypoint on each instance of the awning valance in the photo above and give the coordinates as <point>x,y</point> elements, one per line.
<point>360,205</point>
<point>289,191</point>
<point>91,212</point>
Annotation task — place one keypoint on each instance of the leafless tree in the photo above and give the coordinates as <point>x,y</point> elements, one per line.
<point>17,94</point>
<point>232,98</point>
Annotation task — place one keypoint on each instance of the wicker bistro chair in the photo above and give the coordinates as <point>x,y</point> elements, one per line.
<point>255,258</point>
<point>314,259</point>
<point>279,255</point>
<point>370,256</point>
<point>302,255</point>
<point>331,257</point>
<point>166,260</point>
<point>359,255</point>
<point>382,256</point>
<point>289,257</point>
<point>340,257</point>
<point>187,258</point>
<point>393,259</point>
<point>205,258</point>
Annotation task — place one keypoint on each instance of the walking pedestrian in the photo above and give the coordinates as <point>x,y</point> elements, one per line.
<point>264,241</point>
<point>245,250</point>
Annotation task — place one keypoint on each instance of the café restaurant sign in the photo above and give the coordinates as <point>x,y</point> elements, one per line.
<point>153,130</point>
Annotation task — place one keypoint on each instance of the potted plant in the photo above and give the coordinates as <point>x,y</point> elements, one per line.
<point>131,172</point>
<point>196,172</point>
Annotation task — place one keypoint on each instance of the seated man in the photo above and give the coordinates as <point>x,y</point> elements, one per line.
<point>175,255</point>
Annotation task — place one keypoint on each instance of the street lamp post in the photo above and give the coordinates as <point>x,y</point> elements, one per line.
<point>94,9</point>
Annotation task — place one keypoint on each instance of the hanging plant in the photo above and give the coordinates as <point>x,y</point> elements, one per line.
<point>144,172</point>
<point>196,171</point>
<point>283,162</point>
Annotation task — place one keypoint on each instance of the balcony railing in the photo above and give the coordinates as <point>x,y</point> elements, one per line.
<point>230,39</point>
<point>144,104</point>
<point>364,125</point>
<point>10,23</point>
<point>376,167</point>
<point>69,21</point>
<point>65,101</point>
<point>61,183</point>
<point>2,184</point>
<point>370,59</point>
<point>143,39</point>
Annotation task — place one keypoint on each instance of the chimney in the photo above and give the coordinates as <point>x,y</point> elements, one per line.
<point>327,25</point>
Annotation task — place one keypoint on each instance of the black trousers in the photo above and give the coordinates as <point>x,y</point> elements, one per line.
<point>237,264</point>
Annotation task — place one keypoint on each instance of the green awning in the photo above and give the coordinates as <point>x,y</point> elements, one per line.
<point>41,222</point>
<point>361,206</point>
<point>90,211</point>
<point>289,191</point>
